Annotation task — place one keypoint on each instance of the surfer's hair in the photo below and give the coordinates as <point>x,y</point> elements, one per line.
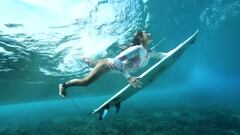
<point>138,38</point>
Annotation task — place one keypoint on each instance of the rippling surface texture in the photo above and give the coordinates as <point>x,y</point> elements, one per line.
<point>42,44</point>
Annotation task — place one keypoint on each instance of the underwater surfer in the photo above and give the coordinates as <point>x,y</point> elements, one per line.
<point>134,57</point>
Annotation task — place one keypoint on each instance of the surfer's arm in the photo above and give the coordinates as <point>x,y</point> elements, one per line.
<point>157,55</point>
<point>134,81</point>
<point>126,74</point>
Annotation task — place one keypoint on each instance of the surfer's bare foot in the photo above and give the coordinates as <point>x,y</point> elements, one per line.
<point>62,91</point>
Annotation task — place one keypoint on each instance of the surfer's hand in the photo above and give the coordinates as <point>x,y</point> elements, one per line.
<point>135,82</point>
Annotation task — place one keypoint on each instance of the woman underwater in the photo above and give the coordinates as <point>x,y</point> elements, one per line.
<point>134,57</point>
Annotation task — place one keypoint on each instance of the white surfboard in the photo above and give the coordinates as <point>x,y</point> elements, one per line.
<point>146,78</point>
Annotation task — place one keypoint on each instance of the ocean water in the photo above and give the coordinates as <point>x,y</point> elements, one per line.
<point>42,43</point>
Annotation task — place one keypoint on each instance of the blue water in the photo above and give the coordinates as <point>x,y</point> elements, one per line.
<point>42,43</point>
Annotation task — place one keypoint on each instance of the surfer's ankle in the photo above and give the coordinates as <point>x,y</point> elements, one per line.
<point>65,85</point>
<point>62,89</point>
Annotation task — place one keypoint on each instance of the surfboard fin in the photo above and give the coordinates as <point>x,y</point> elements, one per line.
<point>118,106</point>
<point>103,113</point>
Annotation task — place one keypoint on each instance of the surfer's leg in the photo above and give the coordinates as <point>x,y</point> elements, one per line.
<point>101,68</point>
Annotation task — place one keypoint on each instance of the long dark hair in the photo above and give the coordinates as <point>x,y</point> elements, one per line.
<point>138,38</point>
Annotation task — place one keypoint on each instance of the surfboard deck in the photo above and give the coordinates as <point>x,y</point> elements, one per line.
<point>146,78</point>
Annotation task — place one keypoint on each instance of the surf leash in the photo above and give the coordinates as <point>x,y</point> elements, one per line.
<point>75,104</point>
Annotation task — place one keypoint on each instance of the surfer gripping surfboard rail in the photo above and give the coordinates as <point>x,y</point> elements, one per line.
<point>135,56</point>
<point>146,77</point>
